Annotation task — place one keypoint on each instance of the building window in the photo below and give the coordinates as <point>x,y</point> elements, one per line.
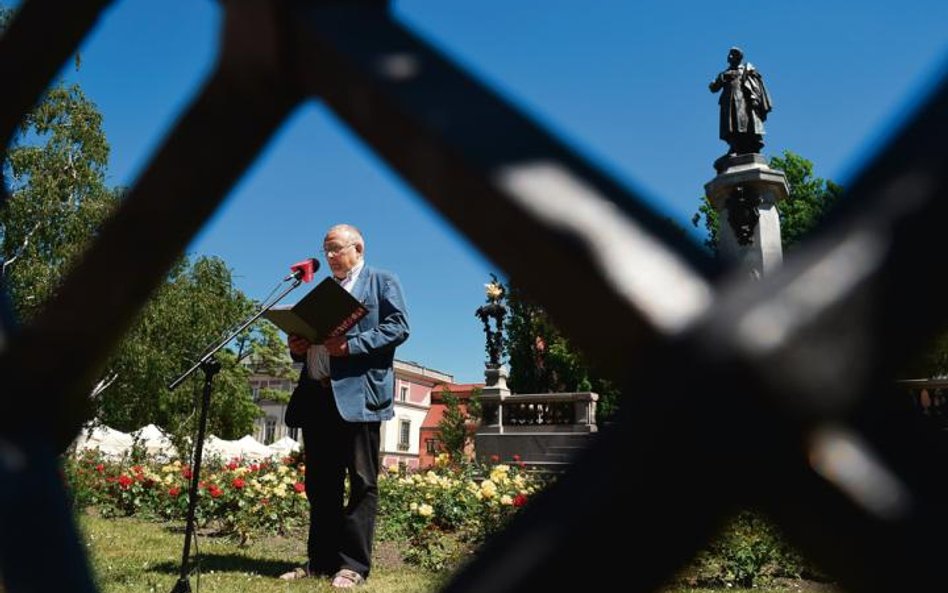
<point>404,434</point>
<point>431,446</point>
<point>403,393</point>
<point>269,430</point>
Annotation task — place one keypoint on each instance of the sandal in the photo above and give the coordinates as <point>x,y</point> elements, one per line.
<point>346,579</point>
<point>300,572</point>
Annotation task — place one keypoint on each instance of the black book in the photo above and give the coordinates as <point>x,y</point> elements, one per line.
<point>326,311</point>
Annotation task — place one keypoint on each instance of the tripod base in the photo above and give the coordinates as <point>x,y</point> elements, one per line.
<point>182,586</point>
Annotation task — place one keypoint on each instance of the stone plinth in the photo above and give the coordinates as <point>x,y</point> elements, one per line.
<point>495,381</point>
<point>745,194</point>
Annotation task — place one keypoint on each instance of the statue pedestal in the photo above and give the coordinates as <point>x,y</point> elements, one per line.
<point>745,194</point>
<point>495,381</point>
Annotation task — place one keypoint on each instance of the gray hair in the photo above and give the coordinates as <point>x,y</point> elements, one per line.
<point>354,233</point>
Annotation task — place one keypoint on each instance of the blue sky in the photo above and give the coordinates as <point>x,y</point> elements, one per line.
<point>625,83</point>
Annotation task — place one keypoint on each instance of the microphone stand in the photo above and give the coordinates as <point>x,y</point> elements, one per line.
<point>211,367</point>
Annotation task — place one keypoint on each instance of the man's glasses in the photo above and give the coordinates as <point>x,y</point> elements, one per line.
<point>334,250</point>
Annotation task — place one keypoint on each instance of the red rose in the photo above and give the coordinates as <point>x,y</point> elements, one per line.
<point>174,491</point>
<point>519,500</point>
<point>299,487</point>
<point>238,483</point>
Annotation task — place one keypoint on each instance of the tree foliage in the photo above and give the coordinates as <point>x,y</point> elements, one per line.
<point>268,354</point>
<point>542,360</point>
<point>458,423</point>
<point>56,179</point>
<point>195,309</point>
<point>55,169</point>
<point>811,198</point>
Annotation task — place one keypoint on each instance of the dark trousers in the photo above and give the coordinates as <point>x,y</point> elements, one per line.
<point>340,533</point>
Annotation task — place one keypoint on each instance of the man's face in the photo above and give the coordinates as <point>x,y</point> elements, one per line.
<point>342,253</point>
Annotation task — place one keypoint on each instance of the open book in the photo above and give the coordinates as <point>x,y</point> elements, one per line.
<point>326,311</point>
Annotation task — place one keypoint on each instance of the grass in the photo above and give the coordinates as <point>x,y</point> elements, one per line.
<point>135,556</point>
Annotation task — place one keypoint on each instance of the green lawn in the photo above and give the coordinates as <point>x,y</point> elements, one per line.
<point>130,555</point>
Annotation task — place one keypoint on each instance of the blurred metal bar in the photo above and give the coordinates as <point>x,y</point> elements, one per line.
<point>841,317</point>
<point>459,147</point>
<point>36,525</point>
<point>54,360</point>
<point>507,184</point>
<point>783,402</point>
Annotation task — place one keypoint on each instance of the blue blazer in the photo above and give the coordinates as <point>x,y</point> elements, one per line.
<point>363,383</point>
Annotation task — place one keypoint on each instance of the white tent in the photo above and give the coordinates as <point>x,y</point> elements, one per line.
<point>110,442</point>
<point>284,446</point>
<point>156,443</point>
<point>224,450</point>
<point>251,448</point>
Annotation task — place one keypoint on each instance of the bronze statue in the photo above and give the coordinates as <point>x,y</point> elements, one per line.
<point>496,310</point>
<point>744,103</point>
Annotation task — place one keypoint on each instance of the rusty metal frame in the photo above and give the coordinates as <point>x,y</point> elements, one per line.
<point>781,390</point>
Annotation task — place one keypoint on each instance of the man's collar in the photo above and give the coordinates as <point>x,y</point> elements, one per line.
<point>351,273</point>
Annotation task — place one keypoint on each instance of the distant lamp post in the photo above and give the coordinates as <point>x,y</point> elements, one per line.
<point>495,310</point>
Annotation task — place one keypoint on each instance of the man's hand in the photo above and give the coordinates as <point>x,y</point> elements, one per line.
<point>338,346</point>
<point>298,345</point>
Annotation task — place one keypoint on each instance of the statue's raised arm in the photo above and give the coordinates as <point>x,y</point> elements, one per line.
<point>744,105</point>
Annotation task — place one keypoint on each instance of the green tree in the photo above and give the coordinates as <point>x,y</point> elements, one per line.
<point>542,360</point>
<point>266,351</point>
<point>195,309</point>
<point>55,171</point>
<point>455,429</point>
<point>810,199</point>
<point>267,354</point>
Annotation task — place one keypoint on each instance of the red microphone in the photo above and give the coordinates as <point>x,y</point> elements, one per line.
<point>303,270</point>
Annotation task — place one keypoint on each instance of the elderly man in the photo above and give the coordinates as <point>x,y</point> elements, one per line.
<point>345,391</point>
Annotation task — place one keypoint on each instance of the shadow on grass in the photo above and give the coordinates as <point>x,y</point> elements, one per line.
<point>231,563</point>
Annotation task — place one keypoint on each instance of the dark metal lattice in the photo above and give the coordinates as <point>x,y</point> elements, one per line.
<point>775,393</point>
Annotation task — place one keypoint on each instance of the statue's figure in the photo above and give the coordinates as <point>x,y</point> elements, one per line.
<point>496,310</point>
<point>744,103</point>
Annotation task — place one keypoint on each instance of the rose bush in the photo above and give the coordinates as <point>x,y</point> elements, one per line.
<point>443,511</point>
<point>239,498</point>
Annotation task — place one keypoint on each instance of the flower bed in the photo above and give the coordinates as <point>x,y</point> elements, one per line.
<point>442,512</point>
<point>237,498</point>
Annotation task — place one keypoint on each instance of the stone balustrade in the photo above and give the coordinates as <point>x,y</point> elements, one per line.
<point>540,429</point>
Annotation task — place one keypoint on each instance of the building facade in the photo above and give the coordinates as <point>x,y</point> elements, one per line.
<point>401,440</point>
